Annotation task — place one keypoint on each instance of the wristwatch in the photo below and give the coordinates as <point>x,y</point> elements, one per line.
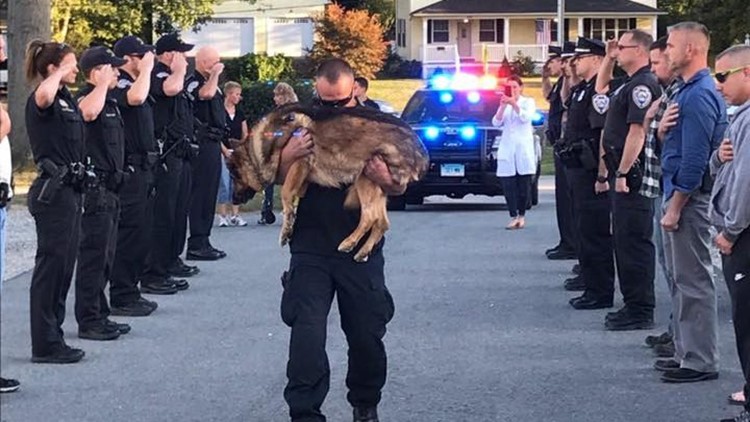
<point>601,179</point>
<point>620,175</point>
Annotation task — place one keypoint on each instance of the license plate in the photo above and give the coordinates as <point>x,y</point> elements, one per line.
<point>452,170</point>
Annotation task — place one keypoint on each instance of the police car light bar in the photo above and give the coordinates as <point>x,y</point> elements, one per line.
<point>468,133</point>
<point>461,82</point>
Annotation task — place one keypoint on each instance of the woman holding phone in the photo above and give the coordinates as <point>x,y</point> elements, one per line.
<point>516,158</point>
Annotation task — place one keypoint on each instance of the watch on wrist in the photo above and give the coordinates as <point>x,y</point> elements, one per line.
<point>620,175</point>
<point>601,179</point>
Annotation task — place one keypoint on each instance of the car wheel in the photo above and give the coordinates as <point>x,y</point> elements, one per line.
<point>396,203</point>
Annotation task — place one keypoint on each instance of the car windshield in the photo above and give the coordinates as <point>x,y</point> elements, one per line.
<point>451,106</point>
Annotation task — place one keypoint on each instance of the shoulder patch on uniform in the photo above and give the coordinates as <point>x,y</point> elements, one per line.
<point>600,103</point>
<point>123,83</point>
<point>641,96</point>
<point>162,75</point>
<point>191,86</point>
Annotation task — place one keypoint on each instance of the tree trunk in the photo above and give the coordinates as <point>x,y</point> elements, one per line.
<point>147,22</point>
<point>27,20</point>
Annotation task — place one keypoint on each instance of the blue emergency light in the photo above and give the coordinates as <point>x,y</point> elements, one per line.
<point>446,97</point>
<point>431,133</point>
<point>468,133</point>
<point>473,97</point>
<point>537,119</point>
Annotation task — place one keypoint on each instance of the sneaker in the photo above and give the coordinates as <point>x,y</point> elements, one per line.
<point>237,221</point>
<point>742,417</point>
<point>223,222</point>
<point>8,385</point>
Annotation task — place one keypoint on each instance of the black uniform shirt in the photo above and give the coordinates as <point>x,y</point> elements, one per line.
<point>556,110</point>
<point>587,111</point>
<point>235,124</point>
<point>210,112</point>
<point>370,103</point>
<point>628,104</point>
<point>139,120</point>
<point>105,135</point>
<point>173,113</point>
<point>56,133</point>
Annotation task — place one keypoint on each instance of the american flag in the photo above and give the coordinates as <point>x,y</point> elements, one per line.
<point>543,31</point>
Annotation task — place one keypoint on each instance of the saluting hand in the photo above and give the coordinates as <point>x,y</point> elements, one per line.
<point>612,50</point>
<point>104,75</point>
<point>146,65</point>
<point>178,63</point>
<point>726,151</point>
<point>217,69</point>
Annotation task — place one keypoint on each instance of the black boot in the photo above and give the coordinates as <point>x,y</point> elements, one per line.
<point>366,414</point>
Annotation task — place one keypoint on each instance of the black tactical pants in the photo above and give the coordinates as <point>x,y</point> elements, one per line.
<point>181,210</point>
<point>168,184</point>
<point>564,209</point>
<point>632,222</point>
<point>133,237</point>
<point>737,275</point>
<point>205,188</point>
<point>592,222</point>
<point>95,256</point>
<point>365,306</point>
<point>58,224</point>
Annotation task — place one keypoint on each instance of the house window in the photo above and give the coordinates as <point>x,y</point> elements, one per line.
<point>606,29</point>
<point>553,31</point>
<point>492,30</point>
<point>401,32</point>
<point>437,31</point>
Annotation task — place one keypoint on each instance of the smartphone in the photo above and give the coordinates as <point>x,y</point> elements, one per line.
<point>507,91</point>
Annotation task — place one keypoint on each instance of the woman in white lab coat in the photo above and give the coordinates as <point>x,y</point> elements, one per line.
<point>516,159</point>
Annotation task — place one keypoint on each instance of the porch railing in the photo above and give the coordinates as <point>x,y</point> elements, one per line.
<point>448,53</point>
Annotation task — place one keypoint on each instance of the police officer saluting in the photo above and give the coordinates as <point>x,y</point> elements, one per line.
<point>136,193</point>
<point>620,168</point>
<point>211,130</point>
<point>579,153</point>
<point>105,146</point>
<point>173,128</point>
<point>55,127</point>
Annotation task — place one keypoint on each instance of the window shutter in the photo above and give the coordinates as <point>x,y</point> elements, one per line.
<point>500,27</point>
<point>429,31</point>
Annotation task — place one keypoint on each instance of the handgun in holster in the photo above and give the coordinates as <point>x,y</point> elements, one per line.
<point>54,177</point>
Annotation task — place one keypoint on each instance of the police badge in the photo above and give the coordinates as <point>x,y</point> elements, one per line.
<point>641,96</point>
<point>600,103</point>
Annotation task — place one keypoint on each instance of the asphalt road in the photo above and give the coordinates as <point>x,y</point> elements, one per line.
<point>482,332</point>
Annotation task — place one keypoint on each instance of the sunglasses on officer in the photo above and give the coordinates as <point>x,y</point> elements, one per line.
<point>721,77</point>
<point>334,103</point>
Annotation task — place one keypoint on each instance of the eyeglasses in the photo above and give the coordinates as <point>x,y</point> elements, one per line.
<point>625,47</point>
<point>721,77</point>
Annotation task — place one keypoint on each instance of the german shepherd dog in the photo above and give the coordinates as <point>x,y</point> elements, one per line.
<point>344,139</point>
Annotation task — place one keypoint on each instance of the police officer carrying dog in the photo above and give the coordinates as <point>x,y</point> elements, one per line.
<point>580,155</point>
<point>173,128</point>
<point>55,128</point>
<point>105,149</point>
<point>211,131</point>
<point>620,168</point>
<point>317,272</point>
<point>137,191</point>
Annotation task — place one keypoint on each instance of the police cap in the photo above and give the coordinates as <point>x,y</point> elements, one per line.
<point>96,56</point>
<point>172,42</point>
<point>590,46</point>
<point>131,46</point>
<point>554,52</point>
<point>568,50</point>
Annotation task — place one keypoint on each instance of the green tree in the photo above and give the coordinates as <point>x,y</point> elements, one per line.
<point>353,35</point>
<point>728,20</point>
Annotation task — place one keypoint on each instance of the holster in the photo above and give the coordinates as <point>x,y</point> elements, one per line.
<point>578,153</point>
<point>54,177</point>
<point>634,179</point>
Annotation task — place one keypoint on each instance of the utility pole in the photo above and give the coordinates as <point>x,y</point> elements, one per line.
<point>560,22</point>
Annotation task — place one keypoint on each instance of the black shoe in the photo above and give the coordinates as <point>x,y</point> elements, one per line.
<point>139,308</point>
<point>575,284</point>
<point>62,355</point>
<point>181,270</point>
<point>560,255</point>
<point>365,414</point>
<point>120,327</point>
<point>205,254</point>
<point>100,332</point>
<point>685,375</point>
<point>584,303</point>
<point>162,287</point>
<point>576,269</point>
<point>618,314</point>
<point>8,385</point>
<point>742,417</point>
<point>628,324</point>
<point>665,365</point>
<point>221,253</point>
<point>187,267</point>
<point>179,283</point>
<point>664,350</point>
<point>662,338</point>
<point>550,250</point>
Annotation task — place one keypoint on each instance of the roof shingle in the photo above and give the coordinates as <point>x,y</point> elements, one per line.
<point>535,6</point>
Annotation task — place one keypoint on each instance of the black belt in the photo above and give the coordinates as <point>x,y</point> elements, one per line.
<point>111,180</point>
<point>144,160</point>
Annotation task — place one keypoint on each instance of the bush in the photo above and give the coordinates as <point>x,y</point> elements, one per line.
<point>258,67</point>
<point>523,65</point>
<point>395,67</point>
<point>257,97</point>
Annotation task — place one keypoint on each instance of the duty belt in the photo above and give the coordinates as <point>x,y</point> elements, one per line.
<point>145,160</point>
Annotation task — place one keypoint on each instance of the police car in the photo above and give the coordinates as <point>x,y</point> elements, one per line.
<point>453,117</point>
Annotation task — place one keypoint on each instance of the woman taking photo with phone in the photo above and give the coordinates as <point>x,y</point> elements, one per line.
<point>55,127</point>
<point>516,159</point>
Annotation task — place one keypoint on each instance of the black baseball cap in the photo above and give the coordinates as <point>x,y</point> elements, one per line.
<point>172,42</point>
<point>96,56</point>
<point>554,52</point>
<point>590,46</point>
<point>131,46</point>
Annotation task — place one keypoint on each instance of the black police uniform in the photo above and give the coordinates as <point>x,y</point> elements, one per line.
<point>632,213</point>
<point>317,272</point>
<point>105,150</point>
<point>211,130</point>
<point>563,204</point>
<point>173,129</point>
<point>54,199</point>
<point>136,197</point>
<point>586,115</point>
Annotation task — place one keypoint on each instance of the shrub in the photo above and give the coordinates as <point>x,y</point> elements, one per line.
<point>258,67</point>
<point>395,67</point>
<point>523,65</point>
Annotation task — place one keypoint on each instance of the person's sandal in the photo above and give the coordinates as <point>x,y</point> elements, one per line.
<point>737,399</point>
<point>512,225</point>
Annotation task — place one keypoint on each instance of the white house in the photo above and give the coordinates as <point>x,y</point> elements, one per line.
<point>467,33</point>
<point>271,26</point>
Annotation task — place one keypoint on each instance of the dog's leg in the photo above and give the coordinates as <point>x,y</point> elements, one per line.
<point>379,226</point>
<point>295,182</point>
<point>365,190</point>
<point>352,199</point>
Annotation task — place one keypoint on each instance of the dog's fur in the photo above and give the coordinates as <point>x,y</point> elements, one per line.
<point>344,139</point>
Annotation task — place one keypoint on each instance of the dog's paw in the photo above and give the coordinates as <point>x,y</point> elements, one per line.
<point>361,256</point>
<point>346,246</point>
